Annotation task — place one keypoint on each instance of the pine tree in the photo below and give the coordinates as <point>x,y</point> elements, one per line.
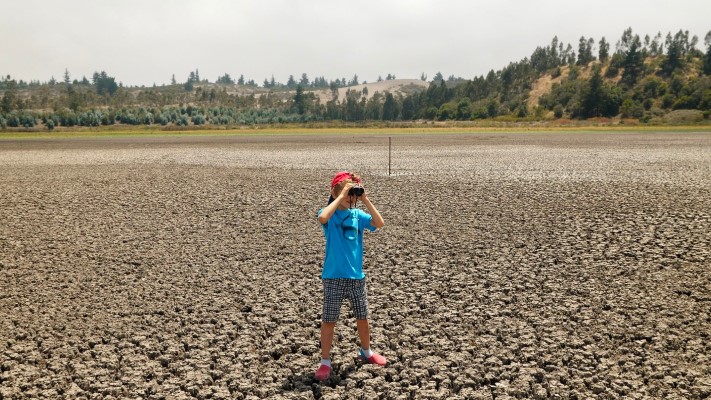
<point>592,97</point>
<point>633,61</point>
<point>390,111</point>
<point>299,101</point>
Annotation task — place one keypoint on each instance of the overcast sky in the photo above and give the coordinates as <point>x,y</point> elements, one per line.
<point>141,42</point>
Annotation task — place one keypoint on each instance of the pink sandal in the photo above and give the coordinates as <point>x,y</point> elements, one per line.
<point>322,373</point>
<point>376,358</point>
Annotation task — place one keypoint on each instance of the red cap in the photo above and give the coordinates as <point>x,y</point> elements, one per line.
<point>342,176</point>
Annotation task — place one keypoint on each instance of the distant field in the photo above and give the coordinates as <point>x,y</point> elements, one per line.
<point>296,130</point>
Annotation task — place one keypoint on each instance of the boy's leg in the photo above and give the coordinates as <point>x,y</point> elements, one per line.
<point>358,297</point>
<point>359,301</point>
<point>332,298</point>
<point>364,333</point>
<point>324,368</point>
<point>365,353</point>
<point>327,329</point>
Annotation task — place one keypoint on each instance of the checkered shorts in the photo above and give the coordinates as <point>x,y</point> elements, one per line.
<point>335,290</point>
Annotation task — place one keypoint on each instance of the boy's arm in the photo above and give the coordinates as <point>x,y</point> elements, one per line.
<point>327,212</point>
<point>377,220</point>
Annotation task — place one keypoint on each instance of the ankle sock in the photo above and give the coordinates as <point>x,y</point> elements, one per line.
<point>326,361</point>
<point>367,352</point>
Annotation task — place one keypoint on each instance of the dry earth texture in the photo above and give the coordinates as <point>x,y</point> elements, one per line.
<point>544,265</point>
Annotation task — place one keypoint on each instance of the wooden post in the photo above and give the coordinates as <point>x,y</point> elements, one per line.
<point>390,151</point>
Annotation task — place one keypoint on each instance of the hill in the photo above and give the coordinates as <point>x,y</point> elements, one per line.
<point>646,80</point>
<point>402,87</point>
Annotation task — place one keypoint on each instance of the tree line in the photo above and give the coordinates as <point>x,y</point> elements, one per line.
<point>642,78</point>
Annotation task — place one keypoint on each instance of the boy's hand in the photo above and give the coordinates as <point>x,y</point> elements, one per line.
<point>377,220</point>
<point>346,188</point>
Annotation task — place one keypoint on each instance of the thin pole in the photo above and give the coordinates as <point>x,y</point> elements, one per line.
<point>390,152</point>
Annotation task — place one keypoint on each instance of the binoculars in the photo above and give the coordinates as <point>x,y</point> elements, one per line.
<point>356,191</point>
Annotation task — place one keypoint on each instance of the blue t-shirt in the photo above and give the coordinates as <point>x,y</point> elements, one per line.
<point>344,243</point>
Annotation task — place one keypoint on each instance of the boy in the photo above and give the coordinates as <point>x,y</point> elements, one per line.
<point>342,274</point>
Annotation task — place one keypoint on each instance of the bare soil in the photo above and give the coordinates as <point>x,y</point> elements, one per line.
<point>561,265</point>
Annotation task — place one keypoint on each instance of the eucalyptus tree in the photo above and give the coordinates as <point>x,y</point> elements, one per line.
<point>585,50</point>
<point>603,50</point>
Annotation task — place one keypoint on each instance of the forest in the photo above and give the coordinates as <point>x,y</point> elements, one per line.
<point>643,79</point>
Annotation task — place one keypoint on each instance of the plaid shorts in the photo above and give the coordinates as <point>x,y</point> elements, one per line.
<point>335,290</point>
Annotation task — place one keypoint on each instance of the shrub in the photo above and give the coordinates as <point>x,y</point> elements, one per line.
<point>147,118</point>
<point>558,111</point>
<point>162,119</point>
<point>28,120</point>
<point>480,112</point>
<point>13,121</point>
<point>685,102</point>
<point>616,63</point>
<point>108,118</point>
<point>431,112</point>
<point>705,103</point>
<point>464,109</point>
<point>667,100</point>
<point>90,118</point>
<point>447,111</point>
<point>631,109</point>
<point>685,116</point>
<point>522,111</point>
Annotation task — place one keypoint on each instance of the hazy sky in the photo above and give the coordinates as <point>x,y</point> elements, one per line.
<point>141,42</point>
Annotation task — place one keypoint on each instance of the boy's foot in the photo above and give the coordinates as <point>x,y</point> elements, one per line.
<point>322,373</point>
<point>376,358</point>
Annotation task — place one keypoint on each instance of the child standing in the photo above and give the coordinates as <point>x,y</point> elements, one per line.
<point>343,226</point>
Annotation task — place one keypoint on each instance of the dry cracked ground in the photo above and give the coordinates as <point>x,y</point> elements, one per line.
<point>538,265</point>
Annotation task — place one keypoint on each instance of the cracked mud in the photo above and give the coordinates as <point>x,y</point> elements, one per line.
<point>556,265</point>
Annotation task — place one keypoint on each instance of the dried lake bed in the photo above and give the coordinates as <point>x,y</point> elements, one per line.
<point>512,265</point>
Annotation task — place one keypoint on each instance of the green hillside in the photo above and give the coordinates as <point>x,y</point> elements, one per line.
<point>651,79</point>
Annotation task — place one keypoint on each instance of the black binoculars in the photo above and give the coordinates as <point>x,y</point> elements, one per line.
<point>356,191</point>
